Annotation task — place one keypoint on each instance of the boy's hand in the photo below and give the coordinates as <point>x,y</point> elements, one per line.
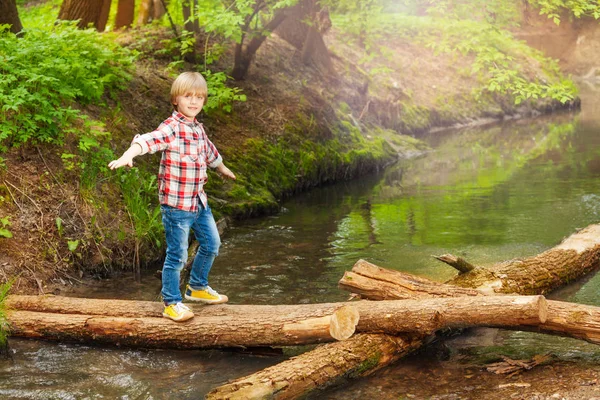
<point>121,162</point>
<point>223,170</point>
<point>127,157</point>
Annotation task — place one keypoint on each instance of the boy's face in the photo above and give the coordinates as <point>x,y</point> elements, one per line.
<point>189,104</point>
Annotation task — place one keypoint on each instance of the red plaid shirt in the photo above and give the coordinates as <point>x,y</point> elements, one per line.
<point>187,152</point>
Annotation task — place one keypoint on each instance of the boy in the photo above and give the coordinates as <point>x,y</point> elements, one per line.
<point>186,153</point>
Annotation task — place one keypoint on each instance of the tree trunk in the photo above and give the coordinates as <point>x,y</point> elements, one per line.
<point>144,12</point>
<point>125,12</point>
<point>395,284</point>
<point>189,8</point>
<point>318,368</point>
<point>215,326</point>
<point>303,28</point>
<point>576,256</point>
<point>63,318</point>
<point>244,54</point>
<point>159,9</point>
<point>10,15</point>
<point>375,283</point>
<point>88,12</point>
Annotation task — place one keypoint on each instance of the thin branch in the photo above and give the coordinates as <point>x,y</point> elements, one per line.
<point>456,262</point>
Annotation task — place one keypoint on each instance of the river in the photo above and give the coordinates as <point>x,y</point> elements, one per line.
<point>487,193</point>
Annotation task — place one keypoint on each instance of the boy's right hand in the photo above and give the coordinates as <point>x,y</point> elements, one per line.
<point>121,162</point>
<point>127,157</point>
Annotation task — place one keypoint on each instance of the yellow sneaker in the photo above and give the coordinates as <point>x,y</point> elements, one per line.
<point>208,295</point>
<point>178,312</point>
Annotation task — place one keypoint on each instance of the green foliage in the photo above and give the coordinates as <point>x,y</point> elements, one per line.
<point>579,8</point>
<point>4,231</point>
<point>220,96</point>
<point>496,55</point>
<point>360,20</point>
<point>139,190</point>
<point>45,73</point>
<point>4,326</point>
<point>500,13</point>
<point>471,28</point>
<point>39,16</point>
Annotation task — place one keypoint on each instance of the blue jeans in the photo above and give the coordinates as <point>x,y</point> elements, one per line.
<point>177,225</point>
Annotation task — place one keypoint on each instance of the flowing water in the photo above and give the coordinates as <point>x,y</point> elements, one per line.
<point>487,194</point>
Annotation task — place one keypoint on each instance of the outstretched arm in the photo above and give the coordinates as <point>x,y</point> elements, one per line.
<point>223,170</point>
<point>127,157</point>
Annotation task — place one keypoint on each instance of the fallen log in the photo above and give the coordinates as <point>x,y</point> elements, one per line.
<point>319,368</point>
<point>138,323</point>
<point>574,320</point>
<point>573,258</point>
<point>576,256</point>
<point>512,367</point>
<point>376,283</point>
<point>564,319</point>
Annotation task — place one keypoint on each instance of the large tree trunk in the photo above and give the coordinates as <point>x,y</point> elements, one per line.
<point>582,248</point>
<point>304,27</point>
<point>88,12</point>
<point>125,12</point>
<point>10,15</point>
<point>145,12</point>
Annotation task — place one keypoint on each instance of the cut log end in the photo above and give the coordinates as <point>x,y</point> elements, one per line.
<point>343,322</point>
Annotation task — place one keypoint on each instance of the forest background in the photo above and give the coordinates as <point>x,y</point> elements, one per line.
<point>301,93</point>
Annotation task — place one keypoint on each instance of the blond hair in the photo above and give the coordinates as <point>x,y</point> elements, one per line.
<point>188,82</point>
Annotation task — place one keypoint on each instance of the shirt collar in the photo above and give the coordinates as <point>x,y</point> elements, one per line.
<point>181,118</point>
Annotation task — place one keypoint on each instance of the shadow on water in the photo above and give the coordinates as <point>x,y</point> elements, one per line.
<point>488,194</point>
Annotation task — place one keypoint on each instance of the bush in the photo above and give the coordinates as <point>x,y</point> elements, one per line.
<point>45,72</point>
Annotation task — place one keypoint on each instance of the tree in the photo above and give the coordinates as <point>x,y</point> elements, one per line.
<point>10,15</point>
<point>304,28</point>
<point>125,11</point>
<point>145,12</point>
<point>245,50</point>
<point>191,21</point>
<point>247,22</point>
<point>87,12</point>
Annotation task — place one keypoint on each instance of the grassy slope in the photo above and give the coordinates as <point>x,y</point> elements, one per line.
<point>296,130</point>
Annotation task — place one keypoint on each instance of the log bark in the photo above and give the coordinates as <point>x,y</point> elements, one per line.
<point>318,368</point>
<point>139,323</point>
<point>376,283</point>
<point>574,320</point>
<point>577,256</point>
